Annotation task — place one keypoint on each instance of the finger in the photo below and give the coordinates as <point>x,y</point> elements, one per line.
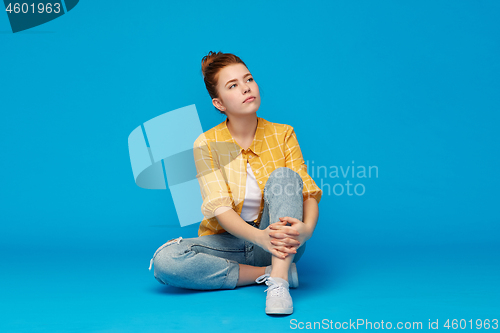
<point>279,254</point>
<point>277,225</point>
<point>282,235</point>
<point>287,249</point>
<point>288,243</point>
<point>278,234</point>
<point>290,220</point>
<point>283,228</point>
<point>291,241</point>
<point>291,236</point>
<point>290,231</point>
<point>279,229</point>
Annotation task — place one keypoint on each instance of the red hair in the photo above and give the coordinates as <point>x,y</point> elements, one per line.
<point>211,64</point>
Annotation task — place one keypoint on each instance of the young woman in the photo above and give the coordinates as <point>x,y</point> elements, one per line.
<point>259,204</point>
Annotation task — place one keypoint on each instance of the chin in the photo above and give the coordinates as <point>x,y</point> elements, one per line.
<point>256,106</point>
<point>253,110</point>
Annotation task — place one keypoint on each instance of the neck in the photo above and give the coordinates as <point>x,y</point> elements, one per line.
<point>243,127</point>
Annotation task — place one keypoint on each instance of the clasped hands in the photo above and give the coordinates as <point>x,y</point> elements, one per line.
<point>282,240</point>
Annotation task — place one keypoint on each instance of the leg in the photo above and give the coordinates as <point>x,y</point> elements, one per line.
<point>202,263</point>
<point>248,274</point>
<point>282,197</point>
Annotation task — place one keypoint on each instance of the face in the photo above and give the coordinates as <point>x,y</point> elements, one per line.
<point>235,86</point>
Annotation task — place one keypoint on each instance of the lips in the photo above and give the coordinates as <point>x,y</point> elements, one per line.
<point>249,99</point>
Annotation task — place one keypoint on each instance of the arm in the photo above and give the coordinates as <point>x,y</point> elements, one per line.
<point>311,213</point>
<point>236,226</point>
<point>218,202</point>
<point>214,189</point>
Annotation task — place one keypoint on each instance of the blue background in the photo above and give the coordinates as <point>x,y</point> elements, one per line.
<point>412,88</point>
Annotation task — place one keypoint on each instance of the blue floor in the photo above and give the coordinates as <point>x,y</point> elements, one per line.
<point>92,289</point>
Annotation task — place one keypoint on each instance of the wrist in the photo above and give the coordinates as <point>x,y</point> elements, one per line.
<point>309,231</point>
<point>257,237</point>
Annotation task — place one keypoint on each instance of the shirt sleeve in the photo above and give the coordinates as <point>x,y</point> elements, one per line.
<point>295,161</point>
<point>214,190</point>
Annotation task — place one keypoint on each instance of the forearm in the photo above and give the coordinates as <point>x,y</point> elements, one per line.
<point>236,226</point>
<point>311,213</point>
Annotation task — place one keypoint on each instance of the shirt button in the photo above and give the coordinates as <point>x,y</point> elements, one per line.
<point>260,181</point>
<point>257,171</point>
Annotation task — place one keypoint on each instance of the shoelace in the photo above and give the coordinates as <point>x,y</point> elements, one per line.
<point>276,288</point>
<point>262,278</point>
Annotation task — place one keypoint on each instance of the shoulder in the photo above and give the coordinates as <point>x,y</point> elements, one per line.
<point>278,129</point>
<point>210,135</point>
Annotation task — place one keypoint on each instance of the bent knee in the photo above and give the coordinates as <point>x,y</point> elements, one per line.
<point>284,180</point>
<point>164,266</point>
<point>283,172</point>
<point>164,261</point>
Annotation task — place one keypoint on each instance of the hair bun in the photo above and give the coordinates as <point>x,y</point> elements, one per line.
<point>207,60</point>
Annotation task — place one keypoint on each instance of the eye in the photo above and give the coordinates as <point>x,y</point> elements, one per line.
<point>249,79</point>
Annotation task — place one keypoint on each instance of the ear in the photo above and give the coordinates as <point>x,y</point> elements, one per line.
<point>218,104</point>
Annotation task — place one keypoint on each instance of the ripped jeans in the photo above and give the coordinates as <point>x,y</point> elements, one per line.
<point>211,262</point>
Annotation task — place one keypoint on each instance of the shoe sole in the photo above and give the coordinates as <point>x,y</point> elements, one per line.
<point>279,311</point>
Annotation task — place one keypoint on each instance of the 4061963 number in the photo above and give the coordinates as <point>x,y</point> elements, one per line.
<point>31,8</point>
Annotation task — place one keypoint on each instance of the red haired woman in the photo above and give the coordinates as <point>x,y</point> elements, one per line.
<point>259,204</point>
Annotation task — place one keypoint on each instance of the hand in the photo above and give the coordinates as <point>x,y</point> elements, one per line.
<point>304,233</point>
<point>287,246</point>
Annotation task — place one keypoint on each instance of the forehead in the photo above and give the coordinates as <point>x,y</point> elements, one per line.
<point>234,71</point>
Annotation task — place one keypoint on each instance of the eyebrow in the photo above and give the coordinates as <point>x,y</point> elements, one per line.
<point>244,76</point>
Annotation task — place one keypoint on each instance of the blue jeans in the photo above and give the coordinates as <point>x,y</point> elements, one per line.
<point>211,262</point>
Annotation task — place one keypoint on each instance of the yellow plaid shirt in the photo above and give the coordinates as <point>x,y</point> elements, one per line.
<point>221,166</point>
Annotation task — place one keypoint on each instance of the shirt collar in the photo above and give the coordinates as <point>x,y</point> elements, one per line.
<point>255,147</point>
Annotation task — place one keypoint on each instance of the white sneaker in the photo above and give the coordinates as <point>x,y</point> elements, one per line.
<point>278,299</point>
<point>293,276</point>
